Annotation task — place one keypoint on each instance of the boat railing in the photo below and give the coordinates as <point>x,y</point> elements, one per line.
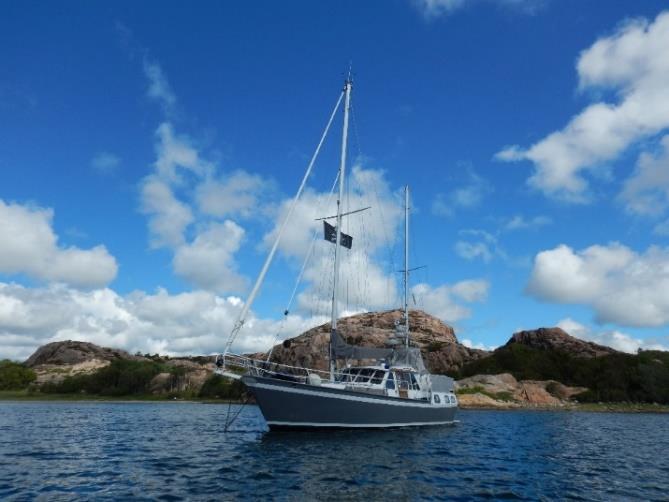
<point>245,365</point>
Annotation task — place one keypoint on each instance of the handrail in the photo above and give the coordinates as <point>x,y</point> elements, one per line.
<point>259,365</point>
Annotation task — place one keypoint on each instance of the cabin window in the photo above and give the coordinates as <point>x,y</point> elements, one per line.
<point>390,383</point>
<point>436,399</point>
<point>378,377</point>
<point>414,382</point>
<point>348,375</point>
<point>364,375</point>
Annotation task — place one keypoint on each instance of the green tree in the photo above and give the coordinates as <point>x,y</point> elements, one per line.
<point>15,376</point>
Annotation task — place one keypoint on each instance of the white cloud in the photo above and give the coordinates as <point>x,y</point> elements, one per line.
<point>633,63</point>
<point>203,247</point>
<point>436,8</point>
<point>481,245</point>
<point>174,152</point>
<point>105,162</point>
<point>480,346</point>
<point>364,280</point>
<point>159,88</point>
<point>442,301</point>
<point>646,192</point>
<point>432,9</point>
<point>519,222</point>
<point>615,339</point>
<point>168,217</point>
<point>465,197</point>
<point>621,286</point>
<point>471,251</point>
<point>30,246</point>
<point>196,322</point>
<point>235,195</point>
<point>208,262</point>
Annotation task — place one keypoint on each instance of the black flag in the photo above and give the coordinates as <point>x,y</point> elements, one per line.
<point>330,233</point>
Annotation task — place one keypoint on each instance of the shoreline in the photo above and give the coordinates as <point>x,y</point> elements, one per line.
<point>23,396</point>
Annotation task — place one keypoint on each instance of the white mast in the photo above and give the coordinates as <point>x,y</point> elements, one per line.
<point>406,264</point>
<point>342,169</point>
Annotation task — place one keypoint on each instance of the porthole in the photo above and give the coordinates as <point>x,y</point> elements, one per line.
<point>436,398</point>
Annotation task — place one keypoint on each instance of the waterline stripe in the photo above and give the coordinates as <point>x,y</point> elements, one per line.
<point>339,424</point>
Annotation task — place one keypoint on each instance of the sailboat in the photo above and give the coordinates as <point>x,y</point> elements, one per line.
<point>365,387</point>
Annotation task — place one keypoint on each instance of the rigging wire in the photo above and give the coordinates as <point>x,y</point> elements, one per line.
<point>392,248</point>
<point>261,277</point>
<point>307,258</point>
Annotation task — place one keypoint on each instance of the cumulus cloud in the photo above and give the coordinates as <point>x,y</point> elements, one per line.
<point>235,195</point>
<point>168,216</point>
<point>615,339</point>
<point>467,196</point>
<point>105,162</point>
<point>159,88</point>
<point>445,301</point>
<point>196,322</point>
<point>364,280</point>
<point>176,154</point>
<point>208,262</point>
<point>30,246</point>
<point>632,62</point>
<point>620,285</point>
<point>646,192</point>
<point>184,198</point>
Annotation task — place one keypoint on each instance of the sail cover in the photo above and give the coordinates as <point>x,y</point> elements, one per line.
<point>330,234</point>
<point>410,356</point>
<point>343,350</point>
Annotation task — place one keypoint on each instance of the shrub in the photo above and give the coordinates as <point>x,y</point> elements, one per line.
<point>642,377</point>
<point>219,387</point>
<point>122,377</point>
<point>15,376</point>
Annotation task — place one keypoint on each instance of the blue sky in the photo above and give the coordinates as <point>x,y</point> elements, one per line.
<point>147,152</point>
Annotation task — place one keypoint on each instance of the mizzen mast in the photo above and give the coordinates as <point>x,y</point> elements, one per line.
<point>406,265</point>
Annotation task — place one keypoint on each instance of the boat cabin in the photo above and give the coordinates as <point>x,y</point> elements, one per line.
<point>402,382</point>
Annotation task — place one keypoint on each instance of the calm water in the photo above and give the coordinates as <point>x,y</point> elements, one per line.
<point>175,451</point>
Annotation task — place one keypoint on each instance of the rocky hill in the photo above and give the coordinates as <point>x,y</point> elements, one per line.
<point>73,352</point>
<point>442,353</point>
<point>56,361</point>
<point>558,339</point>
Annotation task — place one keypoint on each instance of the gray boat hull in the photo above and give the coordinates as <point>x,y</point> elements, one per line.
<point>293,405</point>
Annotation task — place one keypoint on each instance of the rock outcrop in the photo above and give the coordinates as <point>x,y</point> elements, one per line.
<point>558,339</point>
<point>71,352</point>
<point>504,391</point>
<point>55,361</point>
<point>441,350</point>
